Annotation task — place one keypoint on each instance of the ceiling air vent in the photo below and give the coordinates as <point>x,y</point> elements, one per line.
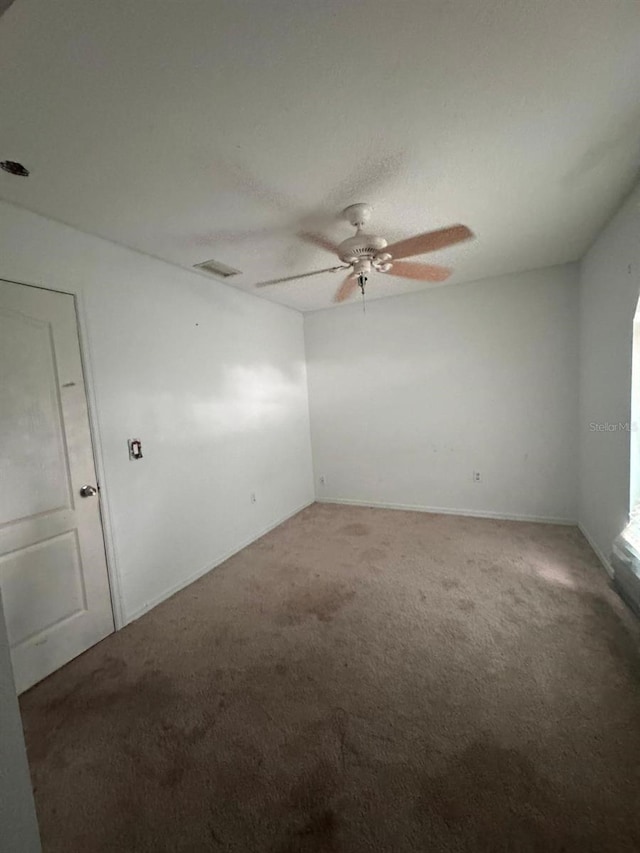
<point>216,269</point>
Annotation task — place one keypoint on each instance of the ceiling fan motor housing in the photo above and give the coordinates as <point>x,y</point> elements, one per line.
<point>359,247</point>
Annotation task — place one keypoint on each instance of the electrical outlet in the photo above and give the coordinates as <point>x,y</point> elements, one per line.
<point>253,497</point>
<point>322,480</point>
<point>476,477</point>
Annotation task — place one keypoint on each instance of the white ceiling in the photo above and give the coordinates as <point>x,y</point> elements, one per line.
<point>189,130</point>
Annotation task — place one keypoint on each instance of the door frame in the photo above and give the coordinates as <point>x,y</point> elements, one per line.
<point>113,572</point>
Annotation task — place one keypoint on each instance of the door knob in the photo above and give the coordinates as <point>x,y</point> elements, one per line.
<point>88,491</point>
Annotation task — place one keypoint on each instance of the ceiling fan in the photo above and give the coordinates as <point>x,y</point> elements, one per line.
<point>365,253</point>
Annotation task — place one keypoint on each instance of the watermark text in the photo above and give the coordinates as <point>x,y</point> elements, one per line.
<point>607,427</point>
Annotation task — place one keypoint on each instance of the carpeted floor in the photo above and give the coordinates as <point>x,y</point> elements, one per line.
<point>357,680</point>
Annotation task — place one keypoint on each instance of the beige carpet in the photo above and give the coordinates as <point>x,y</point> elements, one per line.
<point>357,680</point>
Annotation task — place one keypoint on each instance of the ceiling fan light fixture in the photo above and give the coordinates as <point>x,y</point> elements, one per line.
<point>362,267</point>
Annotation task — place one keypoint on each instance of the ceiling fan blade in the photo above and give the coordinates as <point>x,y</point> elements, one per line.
<point>300,275</point>
<point>346,289</point>
<point>429,242</point>
<point>420,272</point>
<point>319,241</point>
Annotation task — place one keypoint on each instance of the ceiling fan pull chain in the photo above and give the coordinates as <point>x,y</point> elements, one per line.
<point>362,280</point>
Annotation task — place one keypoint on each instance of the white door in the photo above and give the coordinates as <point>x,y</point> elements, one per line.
<point>53,572</point>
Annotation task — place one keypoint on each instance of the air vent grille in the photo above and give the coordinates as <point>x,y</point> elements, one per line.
<point>216,269</point>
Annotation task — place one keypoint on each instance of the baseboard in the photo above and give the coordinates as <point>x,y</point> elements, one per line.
<point>140,611</point>
<point>149,605</point>
<point>605,562</point>
<point>439,510</point>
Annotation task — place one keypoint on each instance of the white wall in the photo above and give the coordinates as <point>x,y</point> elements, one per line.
<point>18,825</point>
<point>609,286</point>
<point>410,398</point>
<point>212,380</point>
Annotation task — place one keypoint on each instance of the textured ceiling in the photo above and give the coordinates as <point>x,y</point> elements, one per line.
<point>195,130</point>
